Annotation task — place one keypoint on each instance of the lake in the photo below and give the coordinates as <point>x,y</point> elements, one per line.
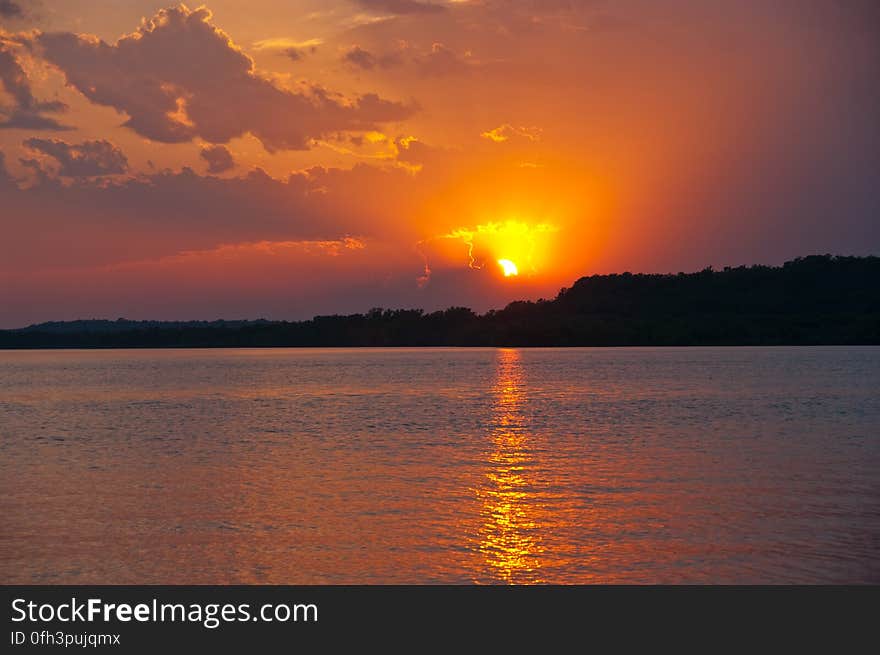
<point>439,465</point>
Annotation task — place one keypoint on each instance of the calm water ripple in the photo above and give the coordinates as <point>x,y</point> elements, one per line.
<point>724,465</point>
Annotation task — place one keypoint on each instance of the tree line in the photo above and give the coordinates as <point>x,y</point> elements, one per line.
<point>819,299</point>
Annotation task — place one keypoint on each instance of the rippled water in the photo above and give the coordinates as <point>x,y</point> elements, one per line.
<point>440,465</point>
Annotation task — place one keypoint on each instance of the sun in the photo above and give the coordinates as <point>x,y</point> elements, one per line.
<point>508,267</point>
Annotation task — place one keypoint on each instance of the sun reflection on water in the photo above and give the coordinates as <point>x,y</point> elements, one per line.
<point>510,538</point>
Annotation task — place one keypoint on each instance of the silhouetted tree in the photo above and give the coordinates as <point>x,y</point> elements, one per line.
<point>818,299</point>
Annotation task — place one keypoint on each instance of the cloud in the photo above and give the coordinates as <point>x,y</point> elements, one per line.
<point>6,180</point>
<point>366,60</point>
<point>90,158</point>
<point>178,77</point>
<point>401,6</point>
<point>218,157</point>
<point>441,61</point>
<point>331,247</point>
<point>150,216</point>
<point>415,153</point>
<point>25,112</point>
<point>10,9</point>
<point>507,131</point>
<point>290,48</point>
<point>284,43</point>
<point>359,57</point>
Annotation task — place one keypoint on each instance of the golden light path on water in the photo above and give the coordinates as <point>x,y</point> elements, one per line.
<point>328,466</point>
<point>510,535</point>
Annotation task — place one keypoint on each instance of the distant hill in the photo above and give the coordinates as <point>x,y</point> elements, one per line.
<point>124,325</point>
<point>818,299</point>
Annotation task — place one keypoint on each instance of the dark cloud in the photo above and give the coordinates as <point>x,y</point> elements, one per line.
<point>25,112</point>
<point>219,159</point>
<point>401,6</point>
<point>441,61</point>
<point>298,53</point>
<point>366,60</point>
<point>15,80</point>
<point>10,9</point>
<point>41,175</point>
<point>27,120</point>
<point>357,56</point>
<point>179,77</point>
<point>413,151</point>
<point>87,159</point>
<point>6,180</point>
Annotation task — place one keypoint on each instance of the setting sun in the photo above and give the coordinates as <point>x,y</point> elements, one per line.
<point>517,246</point>
<point>508,267</point>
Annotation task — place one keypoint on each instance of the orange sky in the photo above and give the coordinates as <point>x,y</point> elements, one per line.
<point>280,159</point>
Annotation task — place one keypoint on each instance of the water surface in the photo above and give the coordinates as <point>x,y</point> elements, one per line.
<point>721,465</point>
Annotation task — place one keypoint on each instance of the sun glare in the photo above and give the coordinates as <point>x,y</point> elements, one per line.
<point>521,249</point>
<point>508,267</point>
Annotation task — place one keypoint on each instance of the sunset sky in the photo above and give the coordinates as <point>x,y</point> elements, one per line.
<point>282,159</point>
